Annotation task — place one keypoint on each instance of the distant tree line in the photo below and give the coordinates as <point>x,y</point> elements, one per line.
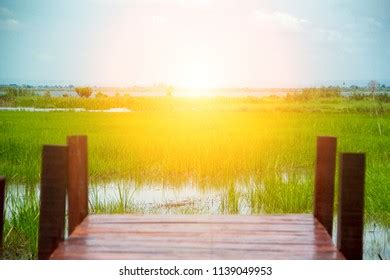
<point>12,92</point>
<point>374,91</point>
<point>313,93</point>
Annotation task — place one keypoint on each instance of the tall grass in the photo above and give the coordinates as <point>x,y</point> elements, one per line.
<point>212,149</point>
<point>292,102</point>
<point>122,203</point>
<point>282,194</point>
<point>230,201</point>
<point>261,158</point>
<point>21,224</point>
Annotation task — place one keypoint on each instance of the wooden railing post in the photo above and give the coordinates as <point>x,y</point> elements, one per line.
<point>78,180</point>
<point>2,213</point>
<point>324,181</point>
<point>351,206</point>
<point>54,180</point>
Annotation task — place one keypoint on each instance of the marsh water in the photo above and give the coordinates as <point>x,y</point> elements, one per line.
<point>129,197</point>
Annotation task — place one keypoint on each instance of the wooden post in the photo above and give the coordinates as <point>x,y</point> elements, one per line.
<point>78,181</point>
<point>324,181</point>
<point>2,213</point>
<point>54,180</point>
<point>351,206</point>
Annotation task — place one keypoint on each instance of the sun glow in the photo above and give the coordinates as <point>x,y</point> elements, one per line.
<point>196,76</point>
<point>195,72</point>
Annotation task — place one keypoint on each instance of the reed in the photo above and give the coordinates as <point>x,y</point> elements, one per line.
<point>261,158</point>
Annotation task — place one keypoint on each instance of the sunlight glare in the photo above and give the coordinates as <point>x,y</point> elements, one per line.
<point>196,74</point>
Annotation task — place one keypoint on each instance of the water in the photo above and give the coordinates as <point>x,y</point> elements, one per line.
<point>156,198</point>
<point>188,198</point>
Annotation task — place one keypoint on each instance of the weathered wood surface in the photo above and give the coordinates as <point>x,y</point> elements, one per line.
<point>54,181</point>
<point>351,205</point>
<point>198,237</point>
<point>324,181</point>
<point>77,181</point>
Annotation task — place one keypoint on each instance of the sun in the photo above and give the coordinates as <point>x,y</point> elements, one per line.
<point>195,79</point>
<point>195,75</point>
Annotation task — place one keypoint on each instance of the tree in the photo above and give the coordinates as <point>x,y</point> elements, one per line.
<point>372,87</point>
<point>83,91</point>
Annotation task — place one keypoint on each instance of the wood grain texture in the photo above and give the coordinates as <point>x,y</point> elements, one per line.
<point>2,213</point>
<point>351,205</point>
<point>77,181</point>
<point>198,237</point>
<point>324,181</point>
<point>53,193</point>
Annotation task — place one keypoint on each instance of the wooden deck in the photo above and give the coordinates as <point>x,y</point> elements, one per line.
<point>198,237</point>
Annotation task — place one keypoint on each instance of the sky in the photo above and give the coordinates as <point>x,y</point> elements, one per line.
<point>194,43</point>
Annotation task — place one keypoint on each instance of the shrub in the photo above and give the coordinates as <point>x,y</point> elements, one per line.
<point>84,91</point>
<point>100,95</point>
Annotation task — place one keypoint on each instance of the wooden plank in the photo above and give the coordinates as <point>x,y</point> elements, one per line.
<point>53,192</point>
<point>205,235</point>
<point>196,237</point>
<point>89,240</point>
<point>2,213</point>
<point>351,205</point>
<point>324,181</point>
<point>193,247</point>
<point>68,252</point>
<point>263,243</point>
<point>201,228</point>
<point>77,181</point>
<point>197,255</point>
<point>212,219</point>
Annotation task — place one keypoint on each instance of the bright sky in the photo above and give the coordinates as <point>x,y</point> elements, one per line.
<point>194,43</point>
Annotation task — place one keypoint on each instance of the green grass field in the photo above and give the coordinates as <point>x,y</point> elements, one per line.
<point>220,145</point>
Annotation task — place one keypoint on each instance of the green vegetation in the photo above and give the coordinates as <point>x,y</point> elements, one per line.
<point>315,93</point>
<point>11,93</point>
<point>257,153</point>
<point>21,225</point>
<point>349,104</point>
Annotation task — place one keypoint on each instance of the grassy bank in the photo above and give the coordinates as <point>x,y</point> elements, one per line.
<point>271,103</point>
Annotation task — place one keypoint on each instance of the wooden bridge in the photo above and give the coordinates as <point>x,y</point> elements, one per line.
<point>65,173</point>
